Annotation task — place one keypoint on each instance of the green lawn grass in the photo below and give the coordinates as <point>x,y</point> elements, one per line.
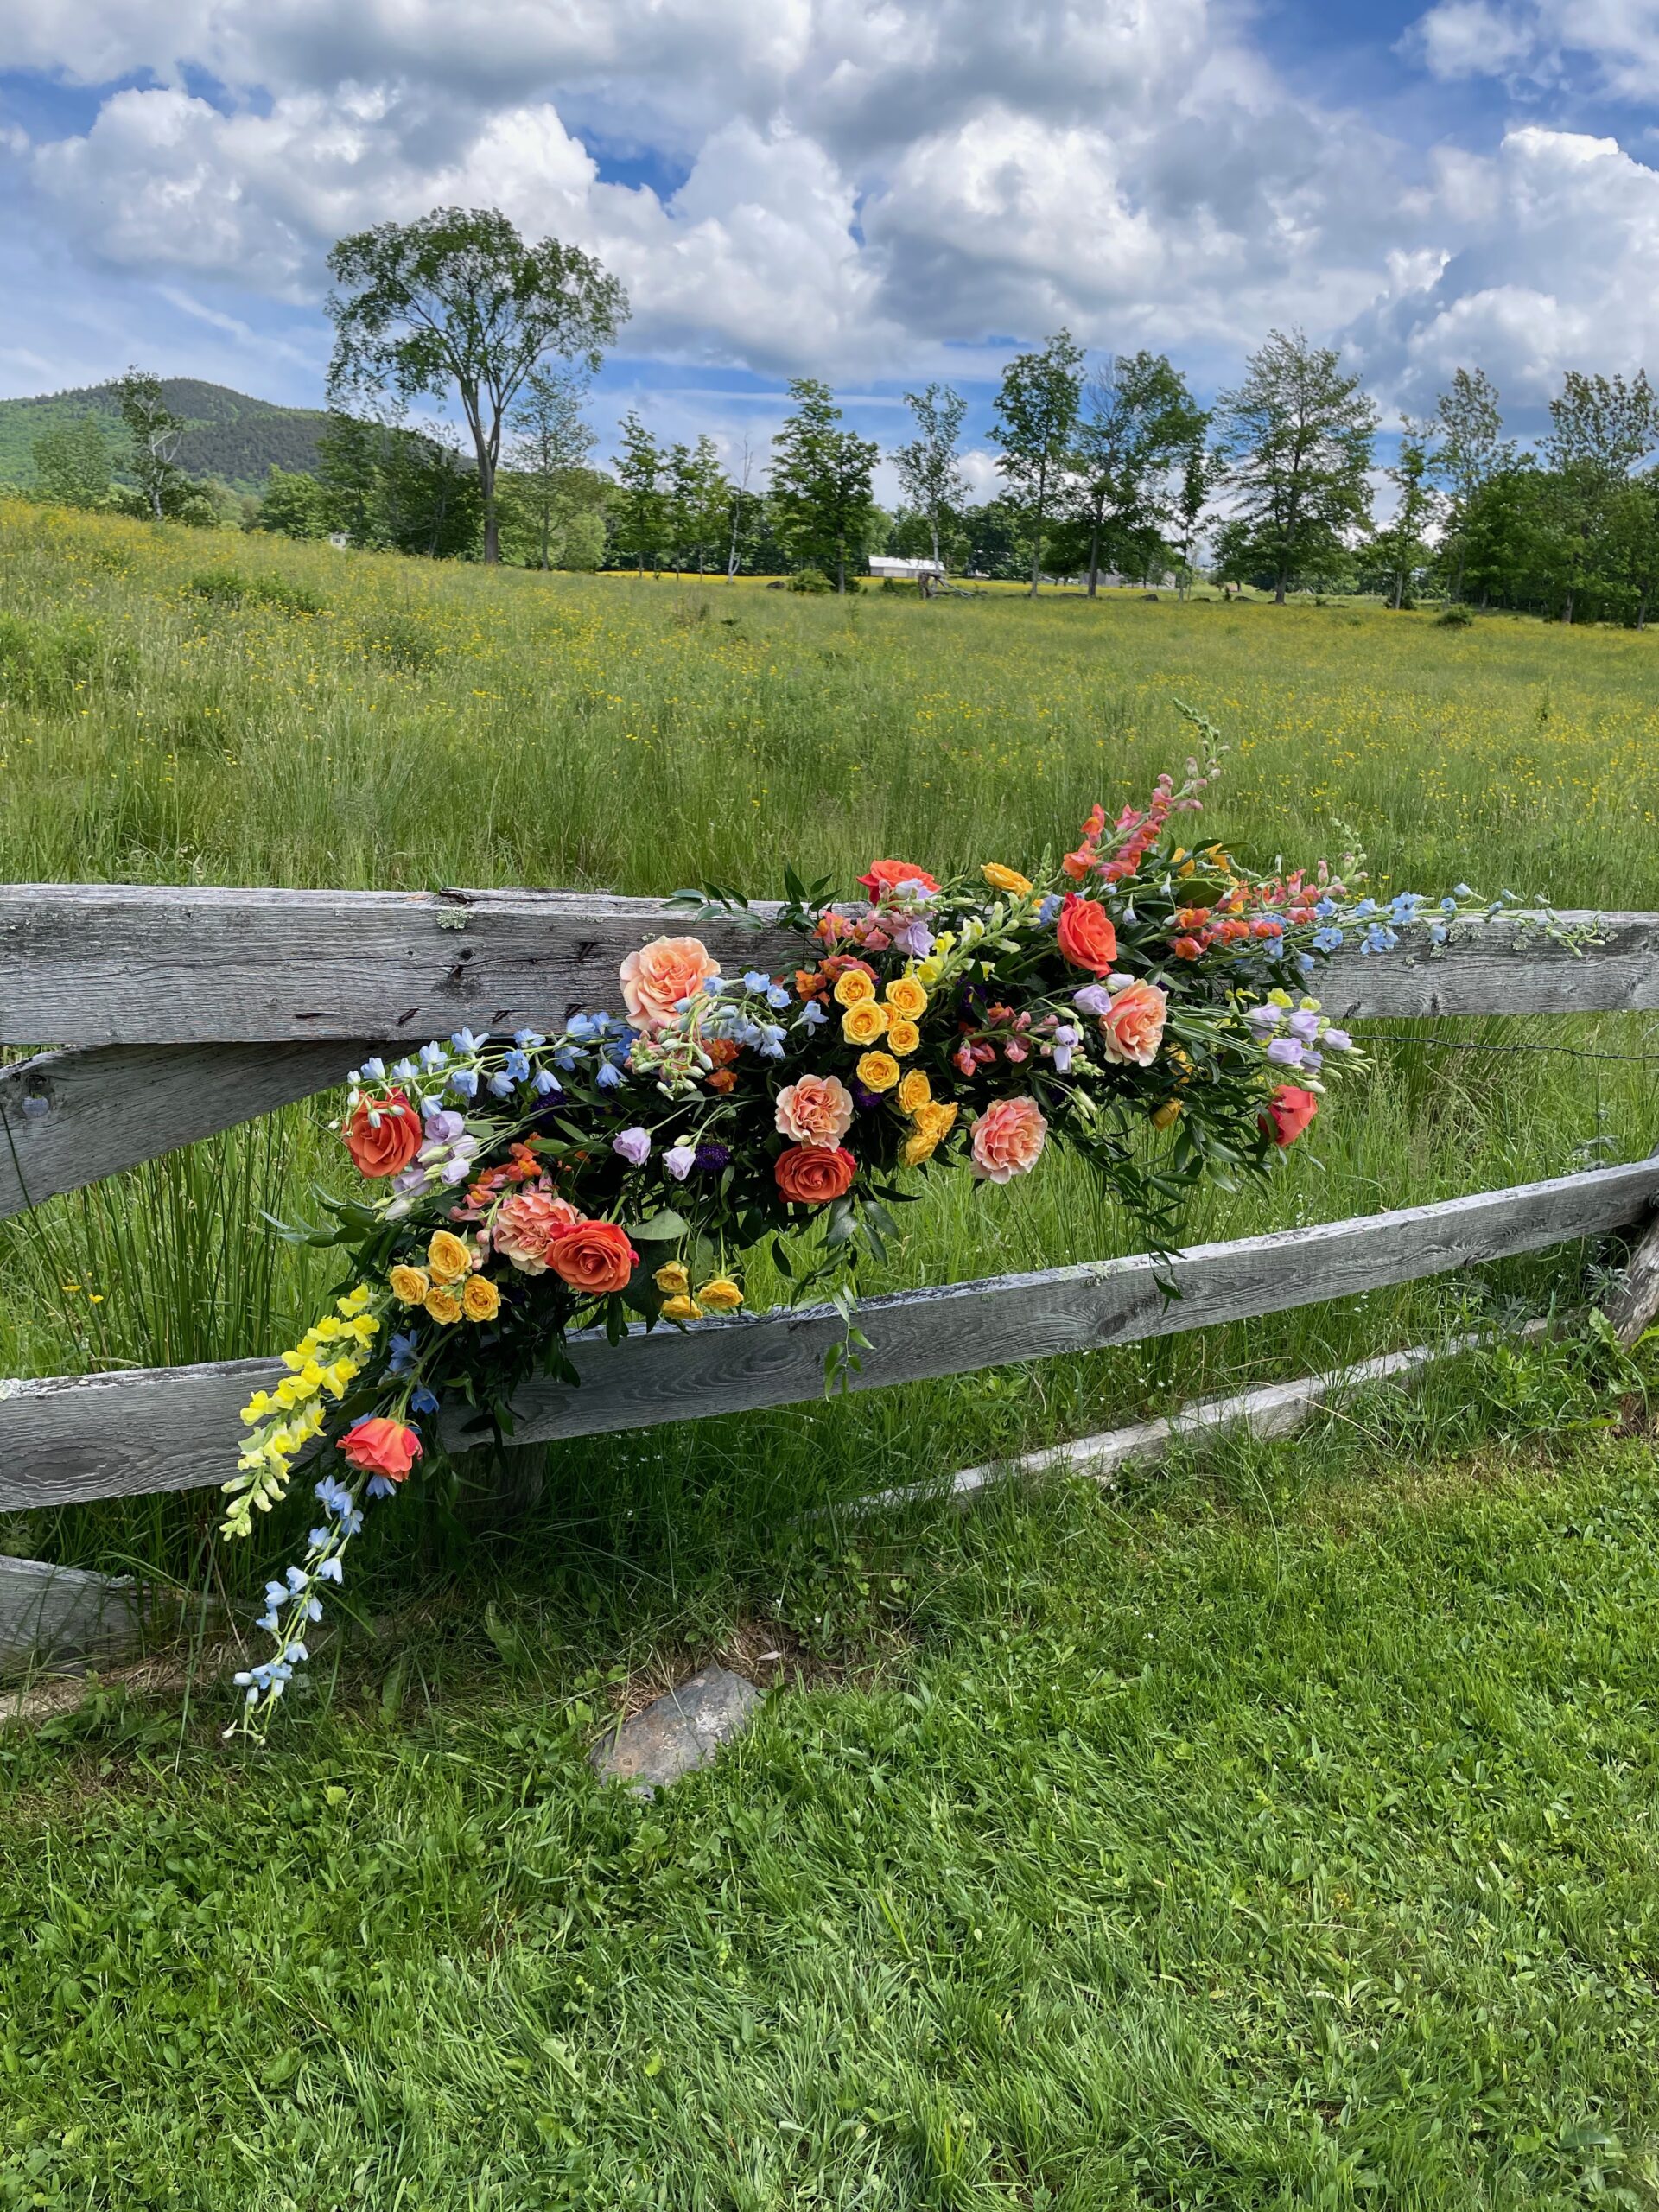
<point>1302,1821</point>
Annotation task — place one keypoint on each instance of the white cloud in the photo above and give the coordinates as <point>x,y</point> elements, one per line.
<point>1544,41</point>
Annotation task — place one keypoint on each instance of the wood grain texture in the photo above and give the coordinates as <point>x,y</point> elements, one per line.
<point>127,964</point>
<point>117,1435</point>
<point>59,1614</point>
<point>69,1118</point>
<point>1633,1305</point>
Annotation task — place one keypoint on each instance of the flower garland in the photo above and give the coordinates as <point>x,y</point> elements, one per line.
<point>615,1174</point>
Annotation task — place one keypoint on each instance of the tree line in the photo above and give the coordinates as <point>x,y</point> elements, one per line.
<point>1112,469</point>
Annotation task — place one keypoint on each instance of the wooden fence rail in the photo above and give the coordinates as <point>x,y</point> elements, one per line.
<point>168,1015</point>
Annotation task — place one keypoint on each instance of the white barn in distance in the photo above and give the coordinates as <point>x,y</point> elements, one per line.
<point>907,572</point>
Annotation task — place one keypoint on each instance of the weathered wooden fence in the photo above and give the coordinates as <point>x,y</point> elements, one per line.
<point>174,1013</point>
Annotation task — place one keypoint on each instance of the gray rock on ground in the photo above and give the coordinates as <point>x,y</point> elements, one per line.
<point>679,1732</point>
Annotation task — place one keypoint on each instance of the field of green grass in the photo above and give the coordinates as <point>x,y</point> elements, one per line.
<point>1277,1833</point>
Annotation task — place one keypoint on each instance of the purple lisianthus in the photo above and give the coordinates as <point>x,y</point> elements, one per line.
<point>679,1160</point>
<point>913,938</point>
<point>1304,1024</point>
<point>1337,1040</point>
<point>1093,998</point>
<point>442,1124</point>
<point>632,1145</point>
<point>1285,1052</point>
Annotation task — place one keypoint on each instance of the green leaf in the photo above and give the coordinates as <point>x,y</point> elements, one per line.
<point>659,1227</point>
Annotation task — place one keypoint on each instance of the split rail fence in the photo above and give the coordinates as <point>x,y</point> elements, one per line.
<point>177,1013</point>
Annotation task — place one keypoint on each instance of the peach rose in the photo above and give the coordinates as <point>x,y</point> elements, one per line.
<point>526,1224</point>
<point>593,1256</point>
<point>1289,1111</point>
<point>1008,1139</point>
<point>1087,937</point>
<point>1131,1028</point>
<point>815,1110</point>
<point>657,977</point>
<point>379,1446</point>
<point>885,876</point>
<point>812,1174</point>
<point>383,1136</point>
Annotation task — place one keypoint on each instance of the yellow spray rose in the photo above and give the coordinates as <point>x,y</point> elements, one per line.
<point>448,1257</point>
<point>409,1285</point>
<point>1005,879</point>
<point>481,1301</point>
<point>918,1146</point>
<point>902,1036</point>
<point>720,1296</point>
<point>864,1023</point>
<point>442,1304</point>
<point>915,1091</point>
<point>906,996</point>
<point>854,987</point>
<point>681,1309</point>
<point>672,1279</point>
<point>877,1071</point>
<point>1168,1112</point>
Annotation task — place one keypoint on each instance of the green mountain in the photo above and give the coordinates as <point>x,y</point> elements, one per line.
<point>229,435</point>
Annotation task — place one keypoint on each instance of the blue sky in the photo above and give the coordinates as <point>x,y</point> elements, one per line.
<point>875,191</point>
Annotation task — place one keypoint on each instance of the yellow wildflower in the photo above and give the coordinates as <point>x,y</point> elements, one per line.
<point>853,987</point>
<point>442,1304</point>
<point>877,1071</point>
<point>915,1091</point>
<point>723,1296</point>
<point>481,1301</point>
<point>681,1309</point>
<point>448,1257</point>
<point>672,1279</point>
<point>902,1036</point>
<point>353,1302</point>
<point>864,1023</point>
<point>409,1285</point>
<point>1005,879</point>
<point>906,996</point>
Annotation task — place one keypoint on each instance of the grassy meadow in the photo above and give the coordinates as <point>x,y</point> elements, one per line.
<point>1276,1833</point>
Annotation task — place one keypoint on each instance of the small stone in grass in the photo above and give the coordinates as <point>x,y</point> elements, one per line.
<point>681,1732</point>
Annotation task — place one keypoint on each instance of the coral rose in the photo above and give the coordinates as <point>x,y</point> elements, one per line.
<point>380,1446</point>
<point>382,1135</point>
<point>657,977</point>
<point>885,876</point>
<point>1131,1028</point>
<point>815,1110</point>
<point>1087,937</point>
<point>526,1224</point>
<point>1289,1111</point>
<point>812,1174</point>
<point>1008,1139</point>
<point>593,1256</point>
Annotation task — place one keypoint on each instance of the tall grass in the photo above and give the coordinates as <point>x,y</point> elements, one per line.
<point>189,708</point>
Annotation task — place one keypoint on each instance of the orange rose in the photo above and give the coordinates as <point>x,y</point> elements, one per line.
<point>382,1135</point>
<point>1087,937</point>
<point>812,1174</point>
<point>1133,1027</point>
<point>593,1256</point>
<point>1289,1111</point>
<point>657,977</point>
<point>379,1446</point>
<point>885,876</point>
<point>526,1224</point>
<point>1007,1138</point>
<point>815,1110</point>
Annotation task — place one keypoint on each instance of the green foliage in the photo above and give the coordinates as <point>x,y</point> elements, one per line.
<point>60,663</point>
<point>72,463</point>
<point>1137,422</point>
<point>810,580</point>
<point>929,471</point>
<point>226,434</point>
<point>1457,616</point>
<point>823,508</point>
<point>229,587</point>
<point>1298,437</point>
<point>1036,414</point>
<point>293,505</point>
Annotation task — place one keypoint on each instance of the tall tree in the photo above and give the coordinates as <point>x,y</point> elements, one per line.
<point>72,463</point>
<point>1471,450</point>
<point>1297,434</point>
<point>551,441</point>
<point>702,500</point>
<point>349,448</point>
<point>742,515</point>
<point>928,468</point>
<point>1135,419</point>
<point>429,498</point>
<point>293,504</point>
<point>154,434</point>
<point>1201,470</point>
<point>1601,428</point>
<point>458,300</point>
<point>1402,547</point>
<point>820,478</point>
<point>1036,409</point>
<point>638,525</point>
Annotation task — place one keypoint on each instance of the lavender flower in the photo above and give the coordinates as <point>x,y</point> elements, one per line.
<point>1093,998</point>
<point>679,1160</point>
<point>632,1145</point>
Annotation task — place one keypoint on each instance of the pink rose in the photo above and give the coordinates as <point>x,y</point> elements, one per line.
<point>1132,1027</point>
<point>1007,1138</point>
<point>527,1224</point>
<point>657,977</point>
<point>815,1110</point>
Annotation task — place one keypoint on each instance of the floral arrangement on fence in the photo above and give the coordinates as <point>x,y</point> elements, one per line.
<point>1139,1004</point>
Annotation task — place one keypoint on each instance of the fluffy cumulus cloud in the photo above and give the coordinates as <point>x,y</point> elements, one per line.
<point>848,186</point>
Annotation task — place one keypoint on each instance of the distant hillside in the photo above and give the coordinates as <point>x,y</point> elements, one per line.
<point>229,435</point>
